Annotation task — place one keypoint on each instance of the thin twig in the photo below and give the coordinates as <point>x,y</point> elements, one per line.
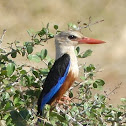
<point>45,62</point>
<point>113,90</point>
<point>1,39</point>
<point>87,25</point>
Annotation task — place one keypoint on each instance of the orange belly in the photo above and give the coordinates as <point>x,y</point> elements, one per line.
<point>66,85</point>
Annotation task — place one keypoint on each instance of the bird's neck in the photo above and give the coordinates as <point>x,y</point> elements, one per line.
<point>61,50</point>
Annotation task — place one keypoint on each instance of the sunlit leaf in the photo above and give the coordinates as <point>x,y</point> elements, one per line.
<point>23,72</point>
<point>30,32</point>
<point>44,72</point>
<point>50,35</point>
<point>10,69</point>
<point>123,100</point>
<point>86,54</point>
<point>34,58</point>
<point>8,106</point>
<point>36,41</point>
<point>43,53</point>
<point>29,49</point>
<point>73,26</point>
<point>16,100</point>
<point>5,81</point>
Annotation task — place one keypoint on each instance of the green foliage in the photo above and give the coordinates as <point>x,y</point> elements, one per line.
<point>83,55</point>
<point>20,89</point>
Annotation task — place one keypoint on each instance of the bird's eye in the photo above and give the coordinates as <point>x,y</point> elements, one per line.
<point>72,37</point>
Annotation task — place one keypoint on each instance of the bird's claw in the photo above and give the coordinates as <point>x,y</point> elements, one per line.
<point>65,100</point>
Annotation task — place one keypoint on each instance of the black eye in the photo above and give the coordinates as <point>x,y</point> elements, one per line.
<point>72,37</point>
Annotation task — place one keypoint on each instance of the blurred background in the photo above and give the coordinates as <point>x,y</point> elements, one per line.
<point>17,16</point>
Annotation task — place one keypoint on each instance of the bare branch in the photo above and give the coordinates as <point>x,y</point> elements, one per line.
<point>1,39</point>
<point>113,91</point>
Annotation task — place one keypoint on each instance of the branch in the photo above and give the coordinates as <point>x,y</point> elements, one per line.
<point>87,25</point>
<point>1,39</point>
<point>73,119</point>
<point>113,90</point>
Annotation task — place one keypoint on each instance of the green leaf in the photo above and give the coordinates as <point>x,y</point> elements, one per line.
<point>23,52</point>
<point>73,26</point>
<point>78,50</point>
<point>5,81</point>
<point>60,117</point>
<point>100,82</point>
<point>86,105</point>
<point>6,95</point>
<point>70,24</point>
<point>47,25</point>
<point>10,69</point>
<point>55,27</point>
<point>36,41</point>
<point>38,54</point>
<point>16,100</point>
<point>36,73</point>
<point>87,53</point>
<point>8,105</point>
<point>43,53</point>
<point>17,118</point>
<point>44,31</point>
<point>34,58</point>
<point>50,35</point>
<point>25,80</point>
<point>44,72</point>
<point>30,32</point>
<point>48,58</point>
<point>3,71</point>
<point>6,116</point>
<point>14,77</point>
<point>95,85</point>
<point>50,64</point>
<point>23,72</point>
<point>14,53</point>
<point>74,110</point>
<point>29,49</point>
<point>82,78</point>
<point>2,51</point>
<point>70,94</point>
<point>123,100</point>
<point>25,114</point>
<point>119,114</point>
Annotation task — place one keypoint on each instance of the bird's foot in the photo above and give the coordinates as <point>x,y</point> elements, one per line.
<point>65,100</point>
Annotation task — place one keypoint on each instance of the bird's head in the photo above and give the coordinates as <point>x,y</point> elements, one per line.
<point>73,38</point>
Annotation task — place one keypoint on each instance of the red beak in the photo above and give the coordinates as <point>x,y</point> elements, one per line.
<point>86,40</point>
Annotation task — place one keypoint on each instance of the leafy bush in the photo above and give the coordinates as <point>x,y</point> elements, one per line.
<point>20,89</point>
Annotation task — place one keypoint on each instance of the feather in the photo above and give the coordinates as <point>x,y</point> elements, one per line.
<point>54,81</point>
<point>54,90</point>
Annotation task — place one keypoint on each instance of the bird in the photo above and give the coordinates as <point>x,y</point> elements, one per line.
<point>65,69</point>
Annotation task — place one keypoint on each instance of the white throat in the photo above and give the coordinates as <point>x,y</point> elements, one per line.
<point>62,49</point>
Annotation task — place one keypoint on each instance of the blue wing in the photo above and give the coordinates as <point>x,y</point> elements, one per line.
<point>54,81</point>
<point>55,89</point>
